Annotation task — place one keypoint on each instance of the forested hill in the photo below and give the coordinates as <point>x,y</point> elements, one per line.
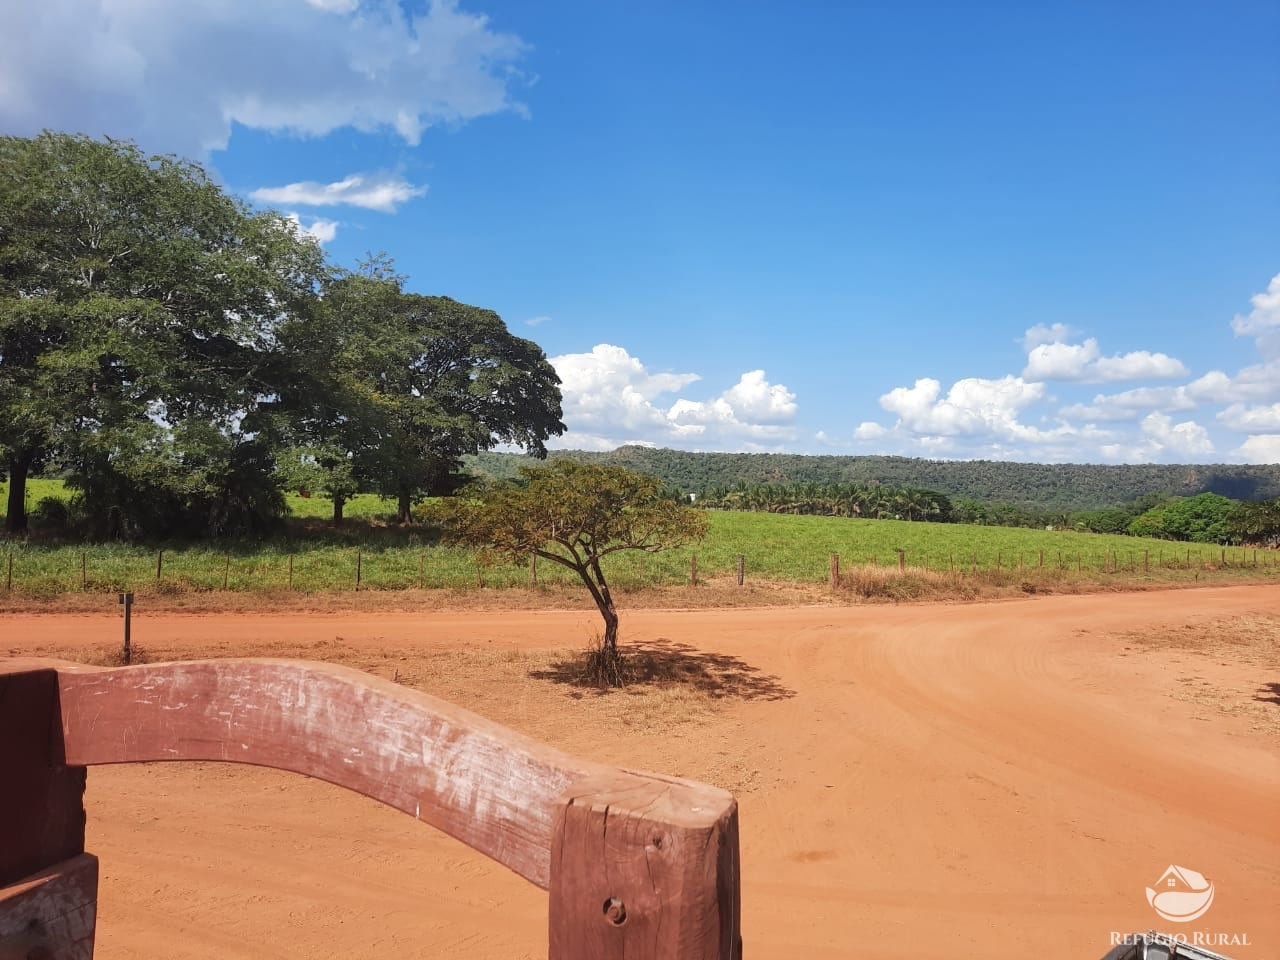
<point>1032,485</point>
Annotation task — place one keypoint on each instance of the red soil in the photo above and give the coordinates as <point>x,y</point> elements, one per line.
<point>995,779</point>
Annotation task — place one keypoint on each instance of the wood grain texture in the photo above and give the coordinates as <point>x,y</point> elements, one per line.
<point>643,868</point>
<point>41,798</point>
<point>51,915</point>
<point>492,788</point>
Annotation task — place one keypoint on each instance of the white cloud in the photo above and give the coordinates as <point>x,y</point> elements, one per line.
<point>1138,365</point>
<point>1260,448</point>
<point>335,6</point>
<point>610,398</point>
<point>372,191</point>
<point>972,406</point>
<point>176,76</point>
<point>1083,362</point>
<point>1060,361</point>
<point>1162,435</point>
<point>319,229</point>
<point>1251,419</point>
<point>870,430</point>
<point>1265,315</point>
<point>537,321</point>
<point>1130,404</point>
<point>1040,333</point>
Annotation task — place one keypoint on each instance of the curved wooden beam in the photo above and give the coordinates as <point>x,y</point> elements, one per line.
<point>662,851</point>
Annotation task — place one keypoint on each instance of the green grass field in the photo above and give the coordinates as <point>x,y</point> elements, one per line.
<point>371,554</point>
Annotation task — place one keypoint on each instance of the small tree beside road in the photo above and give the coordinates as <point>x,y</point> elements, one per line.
<point>574,514</point>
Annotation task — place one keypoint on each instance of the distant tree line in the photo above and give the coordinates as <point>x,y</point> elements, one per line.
<point>181,359</point>
<point>1038,489</point>
<point>1204,518</point>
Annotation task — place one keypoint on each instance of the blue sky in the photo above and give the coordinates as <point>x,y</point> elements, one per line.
<point>983,230</point>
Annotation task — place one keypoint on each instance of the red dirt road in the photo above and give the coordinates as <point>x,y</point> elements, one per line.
<point>995,779</point>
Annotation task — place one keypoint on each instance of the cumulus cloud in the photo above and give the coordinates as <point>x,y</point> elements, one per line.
<point>1265,315</point>
<point>1131,404</point>
<point>611,398</point>
<point>1260,448</point>
<point>971,406</point>
<point>319,229</point>
<point>1251,419</point>
<point>1186,438</point>
<point>1042,333</point>
<point>383,192</point>
<point>1084,362</point>
<point>177,76</point>
<point>537,321</point>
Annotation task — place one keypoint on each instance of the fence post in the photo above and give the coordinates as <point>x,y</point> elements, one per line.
<point>1146,560</point>
<point>974,570</point>
<point>1042,559</point>
<point>359,564</point>
<point>84,571</point>
<point>126,600</point>
<point>291,571</point>
<point>902,561</point>
<point>533,569</point>
<point>8,583</point>
<point>226,572</point>
<point>159,564</point>
<point>742,565</point>
<point>693,569</point>
<point>833,573</point>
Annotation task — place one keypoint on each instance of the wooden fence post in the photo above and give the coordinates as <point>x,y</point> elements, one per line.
<point>126,601</point>
<point>226,572</point>
<point>84,571</point>
<point>48,884</point>
<point>159,564</point>
<point>1146,560</point>
<point>974,569</point>
<point>291,571</point>
<point>902,561</point>
<point>533,569</point>
<point>359,564</point>
<point>1042,559</point>
<point>693,569</point>
<point>623,883</point>
<point>742,567</point>
<point>833,572</point>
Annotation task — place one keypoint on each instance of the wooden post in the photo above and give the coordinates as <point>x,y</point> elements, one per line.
<point>533,569</point>
<point>742,567</point>
<point>159,564</point>
<point>359,563</point>
<point>1042,559</point>
<point>1146,560</point>
<point>226,572</point>
<point>902,561</point>
<point>999,560</point>
<point>291,571</point>
<point>126,601</point>
<point>624,880</point>
<point>1224,556</point>
<point>833,571</point>
<point>974,569</point>
<point>693,569</point>
<point>8,581</point>
<point>48,884</point>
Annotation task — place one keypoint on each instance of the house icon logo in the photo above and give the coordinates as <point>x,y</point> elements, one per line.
<point>1181,895</point>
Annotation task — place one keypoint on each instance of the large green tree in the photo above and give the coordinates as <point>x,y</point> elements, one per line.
<point>574,514</point>
<point>402,386</point>
<point>138,313</point>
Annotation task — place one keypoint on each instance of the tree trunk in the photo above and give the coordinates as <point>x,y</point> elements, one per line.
<point>338,504</point>
<point>16,515</point>
<point>403,504</point>
<point>604,600</point>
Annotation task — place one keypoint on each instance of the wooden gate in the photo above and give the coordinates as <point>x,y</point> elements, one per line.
<point>636,865</point>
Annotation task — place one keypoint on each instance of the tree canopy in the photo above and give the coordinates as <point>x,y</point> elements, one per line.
<point>178,357</point>
<point>576,515</point>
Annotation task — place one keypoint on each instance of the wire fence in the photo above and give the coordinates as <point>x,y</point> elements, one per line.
<point>53,571</point>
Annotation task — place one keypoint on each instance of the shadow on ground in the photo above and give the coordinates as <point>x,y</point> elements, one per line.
<point>1268,693</point>
<point>656,663</point>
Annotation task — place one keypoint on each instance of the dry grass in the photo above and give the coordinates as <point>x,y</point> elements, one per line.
<point>1249,641</point>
